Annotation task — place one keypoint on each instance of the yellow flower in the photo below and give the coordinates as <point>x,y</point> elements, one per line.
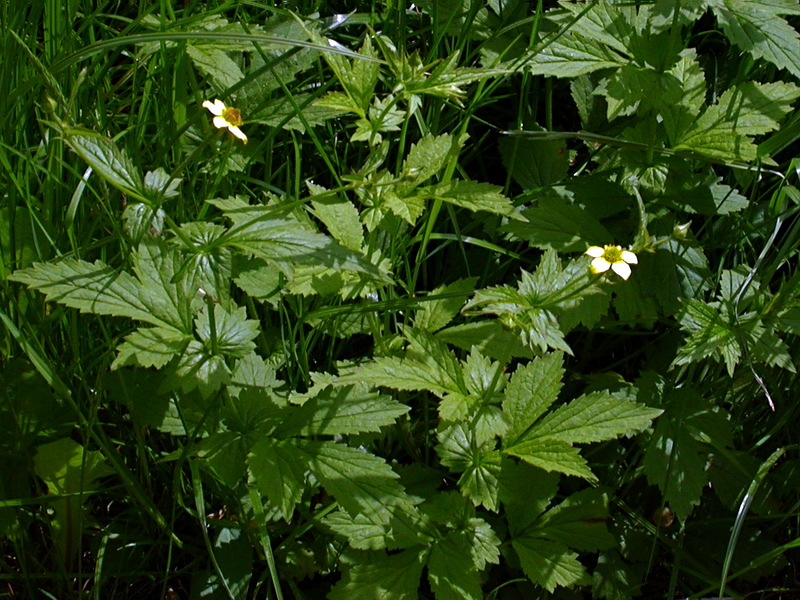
<point>226,117</point>
<point>613,257</point>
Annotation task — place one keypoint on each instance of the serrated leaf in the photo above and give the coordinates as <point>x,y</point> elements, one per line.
<point>553,223</point>
<point>553,456</point>
<point>724,131</point>
<point>674,460</point>
<point>340,411</point>
<point>233,331</point>
<point>471,195</point>
<point>534,163</point>
<point>593,417</point>
<point>571,56</point>
<point>489,337</point>
<point>451,571</point>
<point>478,463</point>
<point>279,473</point>
<point>256,230</point>
<point>197,368</point>
<point>150,347</point>
<point>361,482</point>
<point>381,577</point>
<point>578,522</point>
<point>549,564</point>
<point>435,314</point>
<point>532,390</point>
<point>757,27</point>
<point>675,272</point>
<point>342,220</point>
<point>259,280</point>
<point>681,113</point>
<point>90,287</point>
<point>710,335</point>
<point>426,158</point>
<point>360,533</point>
<point>108,161</point>
<point>216,63</point>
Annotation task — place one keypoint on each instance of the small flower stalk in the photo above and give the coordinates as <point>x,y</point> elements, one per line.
<point>611,257</point>
<point>226,117</point>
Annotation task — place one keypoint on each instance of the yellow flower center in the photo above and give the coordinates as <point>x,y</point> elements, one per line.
<point>232,116</point>
<point>612,254</point>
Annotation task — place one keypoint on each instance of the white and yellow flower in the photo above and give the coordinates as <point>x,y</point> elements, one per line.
<point>226,116</point>
<point>612,257</point>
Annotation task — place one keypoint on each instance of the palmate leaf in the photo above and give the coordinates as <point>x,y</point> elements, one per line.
<point>150,347</point>
<point>571,56</point>
<point>758,27</point>
<point>478,463</point>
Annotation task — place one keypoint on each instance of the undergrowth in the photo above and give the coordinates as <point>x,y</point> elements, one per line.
<point>452,300</point>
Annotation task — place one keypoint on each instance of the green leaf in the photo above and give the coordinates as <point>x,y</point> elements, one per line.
<point>724,131</point>
<point>340,217</point>
<point>380,577</point>
<point>549,564</point>
<point>426,158</point>
<point>479,464</point>
<point>340,411</point>
<point>429,365</point>
<point>594,417</point>
<point>69,470</point>
<point>489,337</point>
<point>553,223</point>
<point>216,63</point>
<point>259,280</point>
<point>674,460</point>
<point>553,456</point>
<point>578,522</point>
<point>436,313</point>
<point>534,163</point>
<point>233,332</point>
<point>710,335</point>
<point>571,56</point>
<point>197,368</point>
<point>279,473</point>
<point>361,482</point>
<point>532,390</point>
<point>256,230</point>
<point>150,347</point>
<point>360,533</point>
<point>681,112</point>
<point>451,570</point>
<point>676,271</point>
<point>757,27</point>
<point>108,161</point>
<point>90,287</point>
<point>471,195</point>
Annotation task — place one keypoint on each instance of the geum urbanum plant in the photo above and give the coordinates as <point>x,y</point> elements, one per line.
<point>500,435</point>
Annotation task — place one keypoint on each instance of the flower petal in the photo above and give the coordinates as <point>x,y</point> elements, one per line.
<point>622,269</point>
<point>594,251</point>
<point>238,133</point>
<point>629,257</point>
<point>216,108</point>
<point>220,123</point>
<point>600,265</point>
